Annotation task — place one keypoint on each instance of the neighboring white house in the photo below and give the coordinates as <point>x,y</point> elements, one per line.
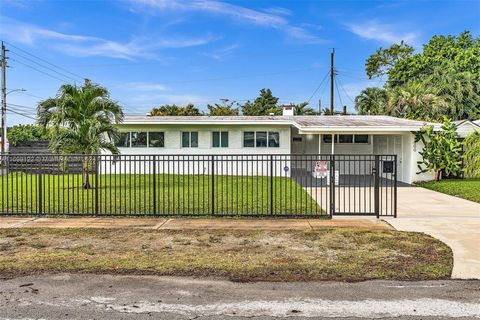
<point>465,127</point>
<point>276,135</point>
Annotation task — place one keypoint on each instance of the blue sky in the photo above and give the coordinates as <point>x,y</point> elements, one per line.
<point>153,52</point>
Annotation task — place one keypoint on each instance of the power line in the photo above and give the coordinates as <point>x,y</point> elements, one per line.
<point>31,95</point>
<point>345,91</point>
<point>43,66</point>
<point>22,106</point>
<point>315,91</point>
<point>338,92</point>
<point>38,70</point>
<point>45,61</point>
<point>21,114</point>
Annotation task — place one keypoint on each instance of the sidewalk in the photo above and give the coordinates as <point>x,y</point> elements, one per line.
<point>196,223</point>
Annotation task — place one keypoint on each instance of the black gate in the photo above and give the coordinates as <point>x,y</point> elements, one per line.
<point>199,185</point>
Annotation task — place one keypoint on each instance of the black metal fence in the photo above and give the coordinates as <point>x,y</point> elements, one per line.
<point>198,185</point>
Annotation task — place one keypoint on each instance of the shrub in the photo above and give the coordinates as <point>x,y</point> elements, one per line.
<point>27,132</point>
<point>471,156</point>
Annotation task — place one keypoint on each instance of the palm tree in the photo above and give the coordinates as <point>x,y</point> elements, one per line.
<point>303,109</point>
<point>416,100</point>
<point>371,101</point>
<point>83,119</point>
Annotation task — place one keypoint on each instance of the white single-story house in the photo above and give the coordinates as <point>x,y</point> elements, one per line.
<point>276,135</point>
<point>465,127</point>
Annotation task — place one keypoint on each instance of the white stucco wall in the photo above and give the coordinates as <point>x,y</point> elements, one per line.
<point>411,157</point>
<point>235,132</point>
<point>466,128</point>
<point>234,160</point>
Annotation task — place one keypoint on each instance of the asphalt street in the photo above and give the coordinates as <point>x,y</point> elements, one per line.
<point>80,296</point>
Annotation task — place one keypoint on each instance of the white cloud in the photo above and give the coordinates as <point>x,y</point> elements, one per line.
<point>221,53</point>
<point>387,33</point>
<point>84,46</point>
<point>272,17</point>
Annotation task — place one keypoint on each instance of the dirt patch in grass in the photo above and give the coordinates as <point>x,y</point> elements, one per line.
<point>326,254</point>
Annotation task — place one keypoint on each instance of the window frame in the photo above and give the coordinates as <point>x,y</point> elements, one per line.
<point>220,139</point>
<point>337,139</point>
<point>148,139</point>
<point>189,139</point>
<point>267,139</point>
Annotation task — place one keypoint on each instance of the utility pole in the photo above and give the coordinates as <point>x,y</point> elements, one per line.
<point>332,79</point>
<point>319,106</point>
<point>4,99</point>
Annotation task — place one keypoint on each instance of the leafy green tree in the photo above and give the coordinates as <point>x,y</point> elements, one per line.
<point>264,105</point>
<point>371,101</point>
<point>416,100</point>
<point>460,90</point>
<point>174,110</point>
<point>83,119</point>
<point>165,110</point>
<point>383,60</point>
<point>471,155</point>
<point>448,67</point>
<point>441,151</point>
<point>224,108</point>
<point>27,132</point>
<point>189,110</point>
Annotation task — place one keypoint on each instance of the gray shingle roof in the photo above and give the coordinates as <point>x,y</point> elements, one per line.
<point>301,122</point>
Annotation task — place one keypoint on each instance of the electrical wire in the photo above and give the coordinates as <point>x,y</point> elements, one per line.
<point>345,91</point>
<point>43,66</point>
<point>338,91</point>
<point>41,71</point>
<point>315,91</point>
<point>45,61</point>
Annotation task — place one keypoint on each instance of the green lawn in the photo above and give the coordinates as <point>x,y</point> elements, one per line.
<point>464,188</point>
<point>160,194</point>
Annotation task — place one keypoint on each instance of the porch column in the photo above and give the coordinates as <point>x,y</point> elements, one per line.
<point>333,143</point>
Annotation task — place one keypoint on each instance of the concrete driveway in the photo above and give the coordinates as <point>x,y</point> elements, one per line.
<point>452,220</point>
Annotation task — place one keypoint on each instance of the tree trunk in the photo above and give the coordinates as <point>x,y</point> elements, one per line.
<point>438,175</point>
<point>85,176</point>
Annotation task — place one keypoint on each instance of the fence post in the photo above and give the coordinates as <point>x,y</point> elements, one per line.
<point>154,185</point>
<point>40,192</point>
<point>271,185</point>
<point>332,185</point>
<point>376,192</point>
<point>395,186</point>
<point>96,184</point>
<point>212,170</point>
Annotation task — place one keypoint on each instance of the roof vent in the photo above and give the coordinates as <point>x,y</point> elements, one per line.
<point>288,110</point>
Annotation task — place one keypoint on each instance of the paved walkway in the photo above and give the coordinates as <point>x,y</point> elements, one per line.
<point>181,224</point>
<point>453,220</point>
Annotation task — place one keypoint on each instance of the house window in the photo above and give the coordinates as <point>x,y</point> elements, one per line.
<point>156,139</point>
<point>261,139</point>
<point>123,140</point>
<point>190,139</point>
<point>273,139</point>
<point>361,138</point>
<point>220,139</point>
<point>249,139</point>
<point>345,138</point>
<point>139,139</point>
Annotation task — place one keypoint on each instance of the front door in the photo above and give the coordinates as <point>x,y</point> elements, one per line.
<point>390,144</point>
